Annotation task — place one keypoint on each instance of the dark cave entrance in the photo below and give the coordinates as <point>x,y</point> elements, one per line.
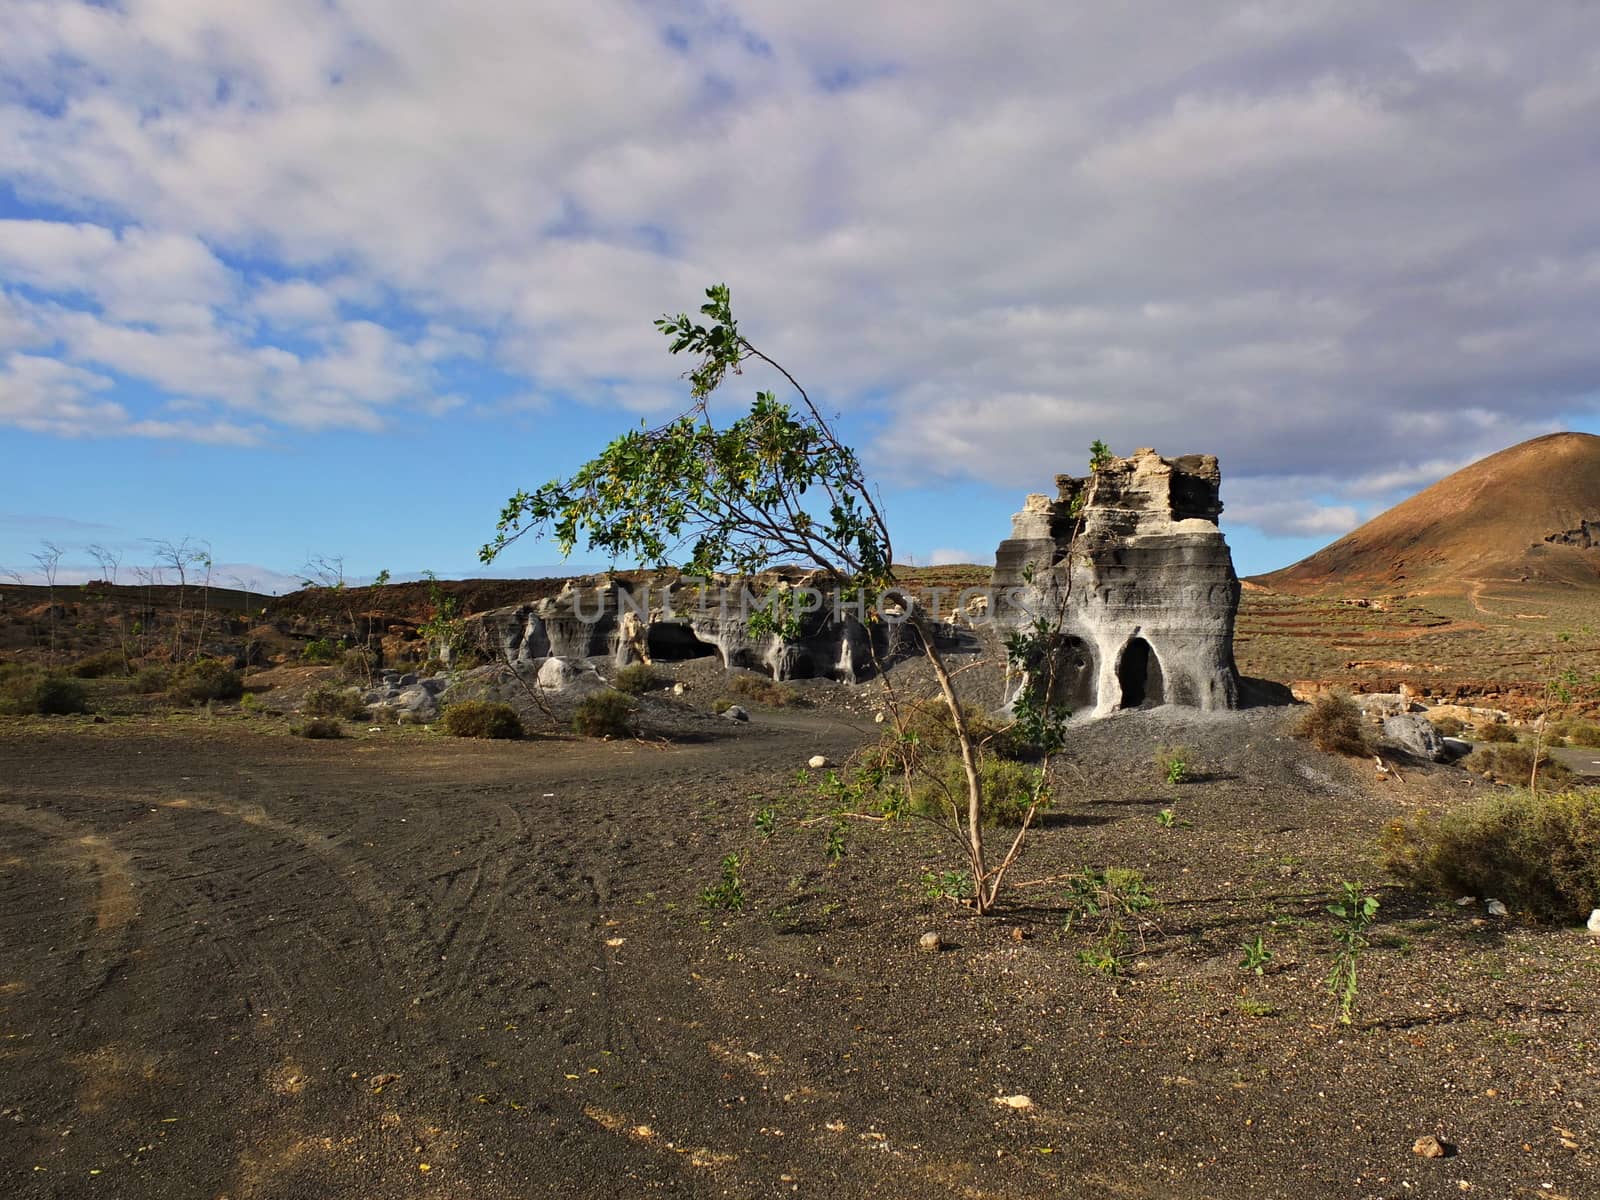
<point>1076,676</point>
<point>1139,673</point>
<point>671,642</point>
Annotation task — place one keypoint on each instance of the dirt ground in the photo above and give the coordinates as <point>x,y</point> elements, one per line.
<point>239,964</point>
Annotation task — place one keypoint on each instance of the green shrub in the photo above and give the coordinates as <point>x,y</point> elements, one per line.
<point>322,650</point>
<point>98,666</point>
<point>721,705</point>
<point>1513,764</point>
<point>151,679</point>
<point>1540,854</point>
<point>206,679</point>
<point>358,664</point>
<point>324,700</point>
<point>1334,724</point>
<point>636,679</point>
<point>761,691</point>
<point>482,719</point>
<point>1448,726</point>
<point>604,714</point>
<point>29,690</point>
<point>1493,731</point>
<point>1007,788</point>
<point>319,727</point>
<point>1580,733</point>
<point>930,725</point>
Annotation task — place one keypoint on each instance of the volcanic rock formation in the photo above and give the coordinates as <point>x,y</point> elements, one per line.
<point>1131,563</point>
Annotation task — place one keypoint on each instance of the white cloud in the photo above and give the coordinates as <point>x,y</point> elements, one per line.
<point>1345,243</point>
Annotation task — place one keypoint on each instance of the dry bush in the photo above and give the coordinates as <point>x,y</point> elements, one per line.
<point>28,690</point>
<point>1513,764</point>
<point>206,679</point>
<point>1579,733</point>
<point>637,679</point>
<point>1334,724</point>
<point>482,719</point>
<point>319,728</point>
<point>1448,726</point>
<point>1540,854</point>
<point>762,692</point>
<point>326,701</point>
<point>99,666</point>
<point>930,725</point>
<point>604,714</point>
<point>1494,732</point>
<point>150,680</point>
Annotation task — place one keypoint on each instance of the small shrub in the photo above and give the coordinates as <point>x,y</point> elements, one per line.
<point>1494,732</point>
<point>637,679</point>
<point>47,695</point>
<point>99,666</point>
<point>250,703</point>
<point>1353,911</point>
<point>1448,726</point>
<point>1540,854</point>
<point>150,680</point>
<point>1335,725</point>
<point>1174,763</point>
<point>206,679</point>
<point>326,701</point>
<point>1007,789</point>
<point>728,891</point>
<point>322,650</point>
<point>721,705</point>
<point>930,725</point>
<point>319,727</point>
<point>482,719</point>
<point>762,692</point>
<point>1581,733</point>
<point>358,664</point>
<point>604,714</point>
<point>1513,764</point>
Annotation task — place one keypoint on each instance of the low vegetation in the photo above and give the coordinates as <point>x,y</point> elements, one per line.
<point>762,692</point>
<point>204,680</point>
<point>1539,853</point>
<point>319,728</point>
<point>482,719</point>
<point>1512,763</point>
<point>604,714</point>
<point>31,691</point>
<point>637,679</point>
<point>1335,725</point>
<point>325,700</point>
<point>1493,731</point>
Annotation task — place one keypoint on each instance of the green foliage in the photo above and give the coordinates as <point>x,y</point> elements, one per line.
<point>1116,892</point>
<point>1540,854</point>
<point>766,821</point>
<point>30,691</point>
<point>150,680</point>
<point>728,891</point>
<point>1513,764</point>
<point>636,679</point>
<point>482,719</point>
<point>1174,763</point>
<point>206,679</point>
<point>604,714</point>
<point>325,700</point>
<point>721,705</point>
<point>1353,912</point>
<point>1256,956</point>
<point>1008,789</point>
<point>1335,725</point>
<point>946,885</point>
<point>1107,953</point>
<point>929,725</point>
<point>322,651</point>
<point>1166,818</point>
<point>319,728</point>
<point>1100,455</point>
<point>445,630</point>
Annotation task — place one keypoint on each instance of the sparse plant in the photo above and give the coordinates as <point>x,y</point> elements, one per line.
<point>1353,912</point>
<point>1166,818</point>
<point>322,651</point>
<point>205,680</point>
<point>1334,724</point>
<point>946,885</point>
<point>1174,764</point>
<point>324,700</point>
<point>1257,957</point>
<point>482,719</point>
<point>761,691</point>
<point>1107,953</point>
<point>728,892</point>
<point>319,728</point>
<point>603,715</point>
<point>766,821</point>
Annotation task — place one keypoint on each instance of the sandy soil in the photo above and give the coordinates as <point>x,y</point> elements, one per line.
<point>240,964</point>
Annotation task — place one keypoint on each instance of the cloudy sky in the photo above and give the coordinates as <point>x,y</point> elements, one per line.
<point>336,276</point>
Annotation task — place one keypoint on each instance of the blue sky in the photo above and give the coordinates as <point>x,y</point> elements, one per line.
<point>335,278</point>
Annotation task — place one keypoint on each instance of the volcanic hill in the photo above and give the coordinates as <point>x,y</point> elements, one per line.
<point>1529,515</point>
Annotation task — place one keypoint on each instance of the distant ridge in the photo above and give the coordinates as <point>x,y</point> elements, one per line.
<point>1529,514</point>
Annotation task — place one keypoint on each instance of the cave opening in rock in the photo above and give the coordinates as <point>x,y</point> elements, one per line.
<point>1139,673</point>
<point>1075,675</point>
<point>670,642</point>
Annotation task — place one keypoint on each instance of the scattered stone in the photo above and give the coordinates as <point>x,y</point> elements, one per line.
<point>1017,933</point>
<point>1464,901</point>
<point>1594,921</point>
<point>818,762</point>
<point>1018,1102</point>
<point>930,942</point>
<point>383,1080</point>
<point>1429,1146</point>
<point>1495,908</point>
<point>679,689</point>
<point>735,713</point>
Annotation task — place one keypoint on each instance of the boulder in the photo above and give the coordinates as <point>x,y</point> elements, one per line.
<point>735,713</point>
<point>1416,736</point>
<point>563,675</point>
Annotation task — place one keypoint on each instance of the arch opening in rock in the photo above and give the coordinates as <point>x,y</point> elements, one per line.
<point>1139,673</point>
<point>1075,675</point>
<point>671,642</point>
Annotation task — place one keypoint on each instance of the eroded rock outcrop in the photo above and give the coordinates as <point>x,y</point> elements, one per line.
<point>1131,561</point>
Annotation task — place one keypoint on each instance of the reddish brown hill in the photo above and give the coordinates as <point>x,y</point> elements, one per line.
<point>1527,514</point>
